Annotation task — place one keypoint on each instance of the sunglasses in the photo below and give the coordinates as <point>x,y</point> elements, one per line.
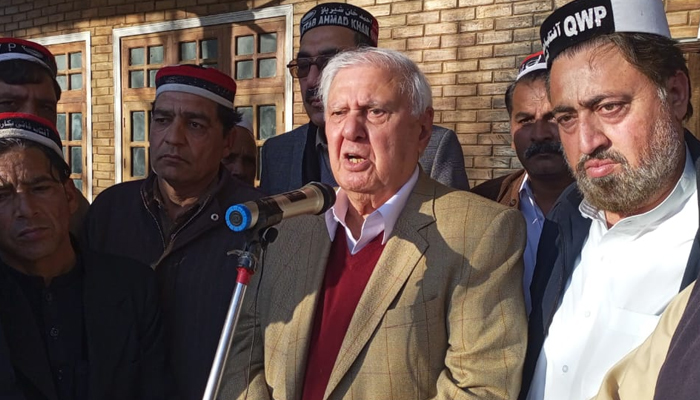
<point>300,67</point>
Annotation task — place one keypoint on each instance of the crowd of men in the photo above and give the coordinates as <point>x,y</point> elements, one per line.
<point>580,284</point>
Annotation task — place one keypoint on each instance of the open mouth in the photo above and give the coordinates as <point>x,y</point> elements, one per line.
<point>355,159</point>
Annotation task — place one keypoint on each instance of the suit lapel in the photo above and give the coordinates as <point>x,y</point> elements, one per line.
<point>295,171</point>
<point>402,252</point>
<point>692,269</point>
<point>308,270</point>
<point>23,338</point>
<point>107,326</point>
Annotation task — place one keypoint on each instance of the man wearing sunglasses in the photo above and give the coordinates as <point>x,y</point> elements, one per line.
<point>295,158</point>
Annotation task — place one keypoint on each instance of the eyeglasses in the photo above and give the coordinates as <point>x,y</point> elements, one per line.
<point>300,67</point>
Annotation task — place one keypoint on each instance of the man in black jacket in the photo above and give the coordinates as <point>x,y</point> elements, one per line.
<point>619,244</point>
<point>78,325</point>
<point>174,220</point>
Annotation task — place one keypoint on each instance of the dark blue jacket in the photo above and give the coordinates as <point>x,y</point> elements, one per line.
<point>563,235</point>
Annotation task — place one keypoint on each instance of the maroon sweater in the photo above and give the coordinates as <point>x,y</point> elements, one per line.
<point>345,280</point>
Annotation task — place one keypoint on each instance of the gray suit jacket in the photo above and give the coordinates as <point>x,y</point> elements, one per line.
<point>282,157</point>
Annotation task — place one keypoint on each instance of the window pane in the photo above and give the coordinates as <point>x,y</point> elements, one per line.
<point>138,162</point>
<point>65,153</point>
<point>246,113</point>
<point>76,60</point>
<point>76,126</point>
<point>76,160</point>
<point>268,43</point>
<point>267,68</point>
<point>210,65</point>
<point>155,55</point>
<point>78,184</point>
<point>76,81</point>
<point>152,77</point>
<point>136,79</point>
<point>136,56</point>
<point>267,121</point>
<point>61,125</point>
<point>209,49</point>
<point>245,45</point>
<point>188,51</point>
<point>62,82</point>
<point>61,62</point>
<point>138,126</point>
<point>244,70</point>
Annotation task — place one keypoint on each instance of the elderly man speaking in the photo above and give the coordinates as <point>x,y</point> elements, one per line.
<point>405,289</point>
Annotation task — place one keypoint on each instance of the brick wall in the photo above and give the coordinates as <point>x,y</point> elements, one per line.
<point>683,17</point>
<point>469,50</point>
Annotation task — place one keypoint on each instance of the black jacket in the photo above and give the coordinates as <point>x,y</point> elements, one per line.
<point>563,235</point>
<point>124,335</point>
<point>195,275</point>
<point>9,390</point>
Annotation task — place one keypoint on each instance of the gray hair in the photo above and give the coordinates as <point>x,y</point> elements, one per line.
<point>412,82</point>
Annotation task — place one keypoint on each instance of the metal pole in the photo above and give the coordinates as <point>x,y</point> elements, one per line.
<point>256,243</point>
<point>234,311</point>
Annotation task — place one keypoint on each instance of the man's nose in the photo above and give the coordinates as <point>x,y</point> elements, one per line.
<point>312,79</point>
<point>591,136</point>
<point>24,205</point>
<point>354,126</point>
<point>175,133</point>
<point>544,130</point>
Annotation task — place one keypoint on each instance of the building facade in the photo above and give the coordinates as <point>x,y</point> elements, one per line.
<point>108,52</point>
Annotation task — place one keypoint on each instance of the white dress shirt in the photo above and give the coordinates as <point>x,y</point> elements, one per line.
<point>623,279</point>
<point>534,219</point>
<point>382,219</point>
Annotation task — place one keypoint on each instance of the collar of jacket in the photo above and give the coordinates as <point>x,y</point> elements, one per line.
<point>509,194</point>
<point>209,215</point>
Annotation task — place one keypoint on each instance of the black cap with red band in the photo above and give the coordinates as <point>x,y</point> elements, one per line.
<point>19,49</point>
<point>205,82</point>
<point>32,128</point>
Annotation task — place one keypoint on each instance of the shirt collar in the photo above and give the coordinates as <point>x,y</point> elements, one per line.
<point>382,219</point>
<point>684,189</point>
<point>525,186</point>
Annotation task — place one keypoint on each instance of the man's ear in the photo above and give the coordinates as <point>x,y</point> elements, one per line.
<point>71,195</point>
<point>678,94</point>
<point>426,124</point>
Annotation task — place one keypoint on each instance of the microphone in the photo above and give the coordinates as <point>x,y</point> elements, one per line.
<point>314,198</point>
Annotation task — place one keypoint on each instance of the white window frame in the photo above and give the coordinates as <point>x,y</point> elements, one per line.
<point>71,38</point>
<point>286,11</point>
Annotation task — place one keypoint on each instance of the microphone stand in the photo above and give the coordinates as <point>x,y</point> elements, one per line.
<point>257,240</point>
